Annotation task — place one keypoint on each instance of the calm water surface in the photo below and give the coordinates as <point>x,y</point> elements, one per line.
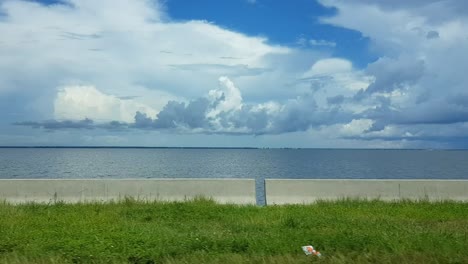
<point>232,163</point>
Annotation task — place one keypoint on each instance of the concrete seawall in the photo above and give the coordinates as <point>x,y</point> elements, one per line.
<point>298,191</point>
<point>236,191</point>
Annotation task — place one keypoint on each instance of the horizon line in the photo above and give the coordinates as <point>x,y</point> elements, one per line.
<point>220,147</point>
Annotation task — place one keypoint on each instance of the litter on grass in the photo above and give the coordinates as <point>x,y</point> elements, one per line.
<point>309,250</point>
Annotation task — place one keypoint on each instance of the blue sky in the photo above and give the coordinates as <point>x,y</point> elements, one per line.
<point>264,73</point>
<point>280,21</point>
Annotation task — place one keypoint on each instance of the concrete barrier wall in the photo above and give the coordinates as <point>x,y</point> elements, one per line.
<point>237,191</point>
<point>294,191</point>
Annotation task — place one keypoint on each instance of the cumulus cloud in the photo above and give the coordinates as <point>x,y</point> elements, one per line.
<point>394,74</point>
<point>221,111</point>
<point>225,112</point>
<point>78,102</point>
<point>422,47</point>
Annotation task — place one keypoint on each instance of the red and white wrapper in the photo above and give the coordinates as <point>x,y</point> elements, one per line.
<point>309,250</point>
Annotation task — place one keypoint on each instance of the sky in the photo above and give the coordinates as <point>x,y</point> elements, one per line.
<point>238,73</point>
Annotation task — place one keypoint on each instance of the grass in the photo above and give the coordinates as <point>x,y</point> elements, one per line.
<point>200,231</point>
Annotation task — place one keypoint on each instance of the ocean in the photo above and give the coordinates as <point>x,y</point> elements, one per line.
<point>79,163</point>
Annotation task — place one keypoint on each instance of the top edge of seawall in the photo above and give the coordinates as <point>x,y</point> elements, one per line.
<point>367,180</point>
<point>135,179</point>
<point>233,179</point>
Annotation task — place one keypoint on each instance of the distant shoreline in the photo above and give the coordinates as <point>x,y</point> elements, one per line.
<point>253,148</point>
<point>123,147</point>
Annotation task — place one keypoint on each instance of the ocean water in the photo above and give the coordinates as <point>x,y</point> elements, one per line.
<point>79,163</point>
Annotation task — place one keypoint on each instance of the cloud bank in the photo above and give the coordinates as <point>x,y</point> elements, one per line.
<point>221,111</point>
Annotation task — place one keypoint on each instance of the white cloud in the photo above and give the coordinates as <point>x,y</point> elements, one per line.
<point>229,96</point>
<point>80,102</point>
<point>100,43</point>
<point>338,75</point>
<point>356,127</point>
<point>424,53</point>
<point>330,66</point>
<point>336,78</point>
<point>322,42</point>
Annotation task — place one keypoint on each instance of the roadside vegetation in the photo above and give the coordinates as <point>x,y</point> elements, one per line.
<point>201,231</point>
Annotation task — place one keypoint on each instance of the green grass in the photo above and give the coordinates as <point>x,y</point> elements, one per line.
<point>201,231</point>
